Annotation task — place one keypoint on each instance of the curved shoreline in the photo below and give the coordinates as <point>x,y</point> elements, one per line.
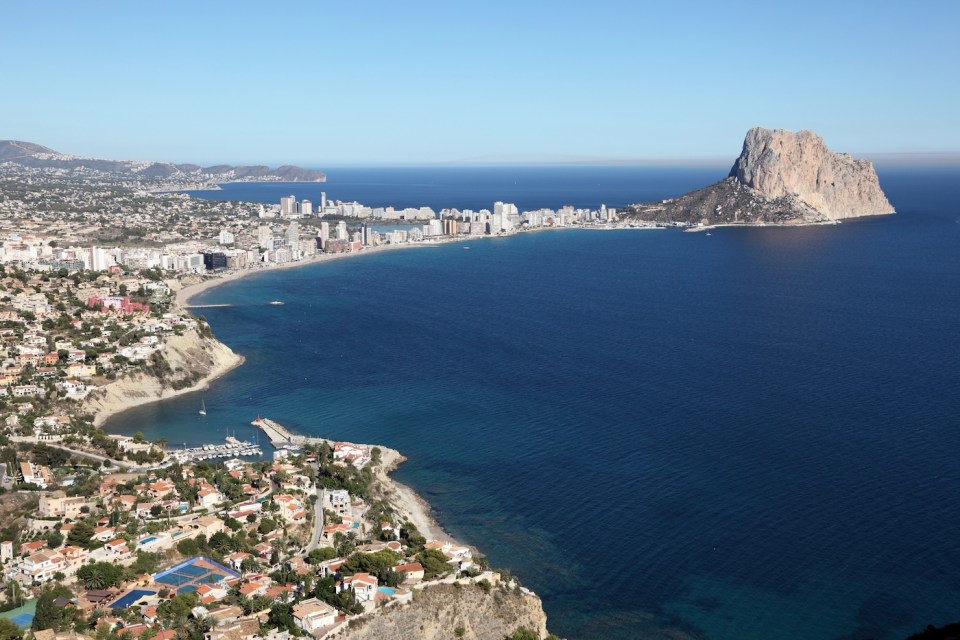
<point>407,501</point>
<point>187,293</point>
<point>140,389</point>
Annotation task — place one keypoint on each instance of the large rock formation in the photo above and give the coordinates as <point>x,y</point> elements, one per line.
<point>448,611</point>
<point>781,177</point>
<point>777,163</point>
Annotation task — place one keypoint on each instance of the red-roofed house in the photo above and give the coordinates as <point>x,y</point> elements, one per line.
<point>364,586</point>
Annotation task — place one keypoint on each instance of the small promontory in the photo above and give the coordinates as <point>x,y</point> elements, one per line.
<point>781,177</point>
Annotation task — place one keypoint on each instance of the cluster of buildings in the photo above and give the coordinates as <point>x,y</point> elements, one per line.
<point>260,537</point>
<point>62,337</point>
<point>82,302</point>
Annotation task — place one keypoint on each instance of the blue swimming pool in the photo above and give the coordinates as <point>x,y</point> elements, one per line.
<point>386,590</point>
<point>131,597</point>
<point>147,540</point>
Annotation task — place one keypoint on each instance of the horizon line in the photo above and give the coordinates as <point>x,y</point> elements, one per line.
<point>900,157</point>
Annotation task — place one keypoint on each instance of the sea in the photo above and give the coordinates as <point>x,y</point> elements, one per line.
<point>742,435</point>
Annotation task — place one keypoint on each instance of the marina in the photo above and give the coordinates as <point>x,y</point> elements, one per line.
<point>231,449</point>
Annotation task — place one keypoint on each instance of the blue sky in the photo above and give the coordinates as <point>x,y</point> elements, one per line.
<point>333,83</point>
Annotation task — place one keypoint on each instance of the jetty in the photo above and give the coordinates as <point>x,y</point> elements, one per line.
<point>282,438</point>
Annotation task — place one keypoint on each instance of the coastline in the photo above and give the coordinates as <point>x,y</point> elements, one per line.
<point>139,389</point>
<point>185,294</point>
<point>406,501</point>
<point>128,393</point>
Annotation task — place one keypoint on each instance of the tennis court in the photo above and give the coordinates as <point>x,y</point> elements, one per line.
<point>22,616</point>
<point>189,575</point>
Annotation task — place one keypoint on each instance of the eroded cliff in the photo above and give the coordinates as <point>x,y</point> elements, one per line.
<point>445,611</point>
<point>185,363</point>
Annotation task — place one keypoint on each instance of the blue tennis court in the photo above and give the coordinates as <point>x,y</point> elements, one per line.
<point>187,576</point>
<point>23,620</point>
<point>21,616</point>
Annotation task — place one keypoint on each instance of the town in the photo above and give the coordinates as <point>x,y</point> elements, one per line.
<point>49,221</point>
<point>107,536</point>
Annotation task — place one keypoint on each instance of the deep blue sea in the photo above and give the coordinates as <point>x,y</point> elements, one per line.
<point>742,436</point>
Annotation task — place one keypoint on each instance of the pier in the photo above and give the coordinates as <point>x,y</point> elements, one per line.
<point>281,437</point>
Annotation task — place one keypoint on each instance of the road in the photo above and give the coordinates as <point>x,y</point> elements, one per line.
<point>115,464</point>
<point>317,522</point>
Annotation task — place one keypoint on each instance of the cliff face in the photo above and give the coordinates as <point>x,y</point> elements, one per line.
<point>777,163</point>
<point>193,361</point>
<point>438,612</point>
<point>781,177</point>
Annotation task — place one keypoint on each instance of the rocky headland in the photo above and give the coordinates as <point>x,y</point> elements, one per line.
<point>781,177</point>
<point>486,609</point>
<point>186,363</point>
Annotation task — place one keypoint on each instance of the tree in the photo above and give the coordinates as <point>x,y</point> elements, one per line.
<point>267,525</point>
<point>9,630</point>
<point>80,534</point>
<point>54,539</point>
<point>281,617</point>
<point>320,554</point>
<point>434,563</point>
<point>221,542</point>
<point>100,575</point>
<point>177,609</point>
<point>249,565</point>
<point>188,547</point>
<point>380,564</point>
<point>48,615</point>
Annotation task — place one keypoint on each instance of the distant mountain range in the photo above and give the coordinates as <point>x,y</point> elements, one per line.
<point>27,154</point>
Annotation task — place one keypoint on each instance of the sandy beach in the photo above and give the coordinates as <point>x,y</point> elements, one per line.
<point>185,294</point>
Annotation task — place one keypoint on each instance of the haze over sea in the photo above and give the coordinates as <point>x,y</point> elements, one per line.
<point>751,434</point>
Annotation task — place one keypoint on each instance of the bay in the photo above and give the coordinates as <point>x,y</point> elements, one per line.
<point>751,434</point>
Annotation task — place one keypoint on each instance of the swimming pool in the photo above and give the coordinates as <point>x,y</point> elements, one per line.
<point>147,540</point>
<point>130,598</point>
<point>386,590</point>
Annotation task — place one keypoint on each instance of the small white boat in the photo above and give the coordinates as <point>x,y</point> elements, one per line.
<point>203,408</point>
<point>276,302</point>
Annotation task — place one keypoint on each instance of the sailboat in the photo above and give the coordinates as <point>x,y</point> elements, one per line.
<point>203,408</point>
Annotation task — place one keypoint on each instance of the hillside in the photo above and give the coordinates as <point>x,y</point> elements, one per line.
<point>28,154</point>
